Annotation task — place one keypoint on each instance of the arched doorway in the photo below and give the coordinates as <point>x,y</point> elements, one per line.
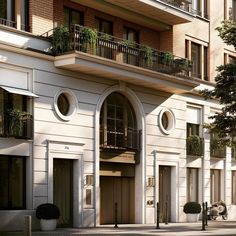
<point>119,153</point>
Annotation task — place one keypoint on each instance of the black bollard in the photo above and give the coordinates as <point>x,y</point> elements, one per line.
<point>166,219</point>
<point>116,215</point>
<point>158,216</point>
<point>203,216</point>
<point>206,217</point>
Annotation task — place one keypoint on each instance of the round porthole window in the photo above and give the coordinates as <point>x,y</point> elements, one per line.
<point>65,104</point>
<point>166,121</point>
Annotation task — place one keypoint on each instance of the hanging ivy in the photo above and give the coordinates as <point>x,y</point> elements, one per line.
<point>90,38</point>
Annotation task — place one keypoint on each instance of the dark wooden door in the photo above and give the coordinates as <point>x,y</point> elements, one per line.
<point>63,190</point>
<point>118,190</point>
<point>165,192</point>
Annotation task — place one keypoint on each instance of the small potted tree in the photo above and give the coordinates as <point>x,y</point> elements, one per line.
<point>48,214</point>
<point>192,209</point>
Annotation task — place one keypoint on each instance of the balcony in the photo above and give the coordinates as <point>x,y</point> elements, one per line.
<point>16,124</point>
<point>104,55</point>
<point>217,150</point>
<point>125,140</point>
<point>156,14</point>
<point>12,24</point>
<point>195,146</point>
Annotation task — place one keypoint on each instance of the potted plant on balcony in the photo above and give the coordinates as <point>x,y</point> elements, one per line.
<point>194,145</point>
<point>48,214</point>
<point>90,38</point>
<point>147,54</point>
<point>192,209</point>
<point>60,40</point>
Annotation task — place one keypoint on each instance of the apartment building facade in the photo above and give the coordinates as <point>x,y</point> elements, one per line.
<point>115,119</point>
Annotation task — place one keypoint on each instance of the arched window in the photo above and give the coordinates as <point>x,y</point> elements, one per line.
<point>118,126</point>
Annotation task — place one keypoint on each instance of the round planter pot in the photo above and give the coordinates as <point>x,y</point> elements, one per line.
<point>192,217</point>
<point>47,225</point>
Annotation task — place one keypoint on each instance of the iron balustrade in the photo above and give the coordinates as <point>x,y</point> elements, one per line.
<point>195,146</point>
<point>217,150</point>
<point>127,139</point>
<point>8,23</point>
<point>128,52</point>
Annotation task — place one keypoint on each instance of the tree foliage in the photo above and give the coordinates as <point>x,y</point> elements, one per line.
<point>224,123</point>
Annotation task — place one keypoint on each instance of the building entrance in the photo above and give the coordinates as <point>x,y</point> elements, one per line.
<point>165,193</point>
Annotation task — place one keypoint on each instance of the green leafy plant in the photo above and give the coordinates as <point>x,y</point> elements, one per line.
<point>60,40</point>
<point>167,57</point>
<point>47,211</point>
<point>148,54</point>
<point>16,121</point>
<point>194,145</point>
<point>192,208</point>
<point>90,38</point>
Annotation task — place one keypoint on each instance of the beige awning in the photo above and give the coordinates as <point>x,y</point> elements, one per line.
<point>19,91</point>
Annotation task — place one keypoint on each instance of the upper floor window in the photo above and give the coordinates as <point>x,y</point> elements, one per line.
<point>196,59</point>
<point>199,7</point>
<point>198,54</point>
<point>131,55</point>
<point>7,13</point>
<point>232,60</point>
<point>118,128</point>
<point>15,121</point>
<point>72,17</point>
<point>230,9</point>
<point>104,26</point>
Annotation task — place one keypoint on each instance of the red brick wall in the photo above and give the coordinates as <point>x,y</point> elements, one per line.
<point>41,16</point>
<point>146,36</point>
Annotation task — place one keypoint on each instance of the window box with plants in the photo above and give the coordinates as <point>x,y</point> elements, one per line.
<point>48,214</point>
<point>192,209</point>
<point>194,145</point>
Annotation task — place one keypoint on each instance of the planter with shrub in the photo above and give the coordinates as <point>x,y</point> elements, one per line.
<point>48,214</point>
<point>192,209</point>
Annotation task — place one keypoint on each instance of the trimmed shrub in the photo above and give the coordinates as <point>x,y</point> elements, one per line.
<point>192,208</point>
<point>47,211</point>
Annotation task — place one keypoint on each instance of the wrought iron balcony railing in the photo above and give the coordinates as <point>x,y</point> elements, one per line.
<point>17,125</point>
<point>195,146</point>
<point>217,150</point>
<point>13,24</point>
<point>126,139</point>
<point>107,46</point>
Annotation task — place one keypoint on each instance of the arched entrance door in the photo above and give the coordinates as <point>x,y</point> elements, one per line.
<point>119,152</point>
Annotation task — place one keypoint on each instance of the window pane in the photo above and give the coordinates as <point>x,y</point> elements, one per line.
<point>75,17</point>
<point>12,182</point>
<point>4,185</point>
<point>215,186</point>
<point>66,17</point>
<point>192,184</point>
<point>192,129</point>
<point>1,111</point>
<point>195,57</point>
<point>3,9</point>
<point>17,183</point>
<point>233,187</point>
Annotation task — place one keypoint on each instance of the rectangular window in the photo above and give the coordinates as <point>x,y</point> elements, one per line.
<point>231,9</point>
<point>234,187</point>
<point>72,17</point>
<point>7,13</point>
<point>196,7</point>
<point>105,46</point>
<point>192,129</point>
<point>196,59</point>
<point>215,185</point>
<point>205,64</point>
<point>232,60</point>
<point>192,184</point>
<point>12,182</point>
<point>15,121</point>
<point>131,54</point>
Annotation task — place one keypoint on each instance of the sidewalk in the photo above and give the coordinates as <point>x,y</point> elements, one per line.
<point>213,228</point>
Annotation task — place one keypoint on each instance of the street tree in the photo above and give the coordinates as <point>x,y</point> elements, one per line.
<point>224,122</point>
